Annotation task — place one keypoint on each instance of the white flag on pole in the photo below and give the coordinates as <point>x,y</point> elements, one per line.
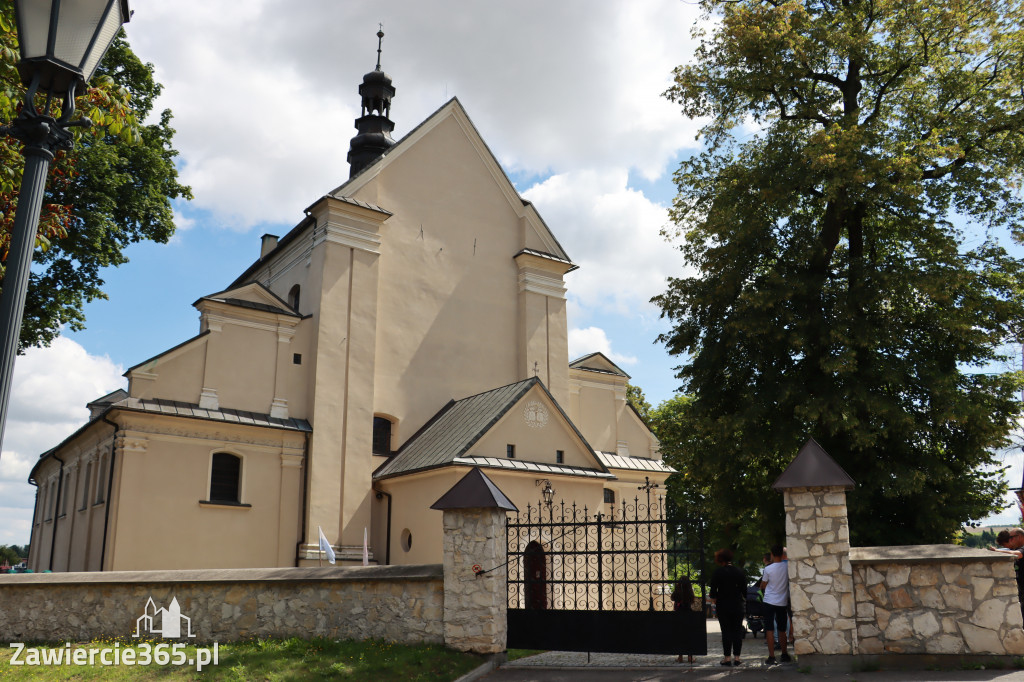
<point>366,550</point>
<point>325,546</point>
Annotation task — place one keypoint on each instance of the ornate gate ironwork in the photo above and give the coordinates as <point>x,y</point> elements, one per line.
<point>585,581</point>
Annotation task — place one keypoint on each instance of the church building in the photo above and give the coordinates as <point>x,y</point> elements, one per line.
<point>410,327</point>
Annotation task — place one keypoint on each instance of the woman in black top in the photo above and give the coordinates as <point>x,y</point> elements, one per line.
<point>728,591</point>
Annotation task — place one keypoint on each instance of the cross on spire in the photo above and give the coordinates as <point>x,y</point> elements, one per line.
<point>380,39</point>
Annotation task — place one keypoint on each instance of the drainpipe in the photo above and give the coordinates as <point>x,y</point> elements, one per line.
<point>56,508</point>
<point>110,490</point>
<point>387,542</point>
<point>305,497</point>
<point>32,532</point>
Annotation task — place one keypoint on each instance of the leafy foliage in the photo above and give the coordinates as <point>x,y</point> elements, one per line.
<point>837,296</point>
<point>113,189</point>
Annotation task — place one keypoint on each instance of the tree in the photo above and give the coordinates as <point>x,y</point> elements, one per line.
<point>862,161</point>
<point>113,189</point>
<point>638,401</point>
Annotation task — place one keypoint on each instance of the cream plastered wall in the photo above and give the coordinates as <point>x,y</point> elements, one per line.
<point>78,545</point>
<point>176,375</point>
<point>537,430</point>
<point>164,474</point>
<point>449,291</point>
<point>599,409</point>
<point>412,496</point>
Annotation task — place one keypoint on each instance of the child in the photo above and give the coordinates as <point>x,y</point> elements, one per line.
<point>682,600</point>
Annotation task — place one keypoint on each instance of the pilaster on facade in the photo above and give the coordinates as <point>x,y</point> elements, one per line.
<point>348,222</point>
<point>543,329</point>
<point>347,239</point>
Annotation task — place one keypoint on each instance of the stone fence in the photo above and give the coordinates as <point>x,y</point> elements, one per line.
<point>395,603</point>
<point>461,603</point>
<point>909,605</point>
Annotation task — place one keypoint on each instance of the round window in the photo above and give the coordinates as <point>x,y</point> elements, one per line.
<point>406,540</point>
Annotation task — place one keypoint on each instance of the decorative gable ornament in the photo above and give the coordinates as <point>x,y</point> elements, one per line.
<point>535,415</point>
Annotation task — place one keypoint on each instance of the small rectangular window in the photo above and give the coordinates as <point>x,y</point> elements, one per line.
<point>510,451</point>
<point>609,496</point>
<point>559,456</point>
<point>297,358</point>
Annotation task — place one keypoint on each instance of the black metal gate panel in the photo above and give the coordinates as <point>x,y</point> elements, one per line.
<point>602,582</point>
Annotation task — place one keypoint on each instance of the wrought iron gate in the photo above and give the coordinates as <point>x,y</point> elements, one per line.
<point>585,581</point>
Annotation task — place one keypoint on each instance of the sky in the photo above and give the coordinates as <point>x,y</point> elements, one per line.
<point>566,94</point>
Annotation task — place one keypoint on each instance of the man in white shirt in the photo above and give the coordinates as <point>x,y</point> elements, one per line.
<point>775,583</point>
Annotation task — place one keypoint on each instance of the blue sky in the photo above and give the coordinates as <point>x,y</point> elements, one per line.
<point>264,94</point>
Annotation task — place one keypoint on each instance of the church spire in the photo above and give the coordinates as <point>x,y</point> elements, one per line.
<point>374,126</point>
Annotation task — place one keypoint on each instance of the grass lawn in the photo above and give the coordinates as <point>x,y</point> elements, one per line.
<point>271,660</point>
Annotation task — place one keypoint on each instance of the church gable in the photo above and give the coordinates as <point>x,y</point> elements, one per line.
<point>253,297</point>
<point>478,430</point>
<point>597,362</point>
<point>463,146</point>
<point>535,429</point>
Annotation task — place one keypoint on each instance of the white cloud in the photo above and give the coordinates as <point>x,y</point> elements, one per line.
<point>265,93</point>
<point>613,233</point>
<point>595,340</point>
<point>50,389</point>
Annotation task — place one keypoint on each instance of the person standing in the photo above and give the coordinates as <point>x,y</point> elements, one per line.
<point>683,600</point>
<point>1012,542</point>
<point>728,590</point>
<point>775,583</point>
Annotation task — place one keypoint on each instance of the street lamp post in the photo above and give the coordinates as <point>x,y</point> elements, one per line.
<point>61,46</point>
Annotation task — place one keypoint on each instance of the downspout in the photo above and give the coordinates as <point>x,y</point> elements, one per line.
<point>32,532</point>
<point>305,497</point>
<point>387,542</point>
<point>110,490</point>
<point>56,508</point>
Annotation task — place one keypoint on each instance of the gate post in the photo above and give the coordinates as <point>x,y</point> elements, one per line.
<point>818,542</point>
<point>475,577</point>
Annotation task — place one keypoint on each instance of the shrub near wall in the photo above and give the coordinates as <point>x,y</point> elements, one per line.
<point>395,603</point>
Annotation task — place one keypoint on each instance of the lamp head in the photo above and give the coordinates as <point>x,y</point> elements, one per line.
<point>63,41</point>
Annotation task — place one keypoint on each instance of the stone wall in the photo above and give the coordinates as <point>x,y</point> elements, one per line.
<point>936,599</point>
<point>395,603</point>
<point>924,600</point>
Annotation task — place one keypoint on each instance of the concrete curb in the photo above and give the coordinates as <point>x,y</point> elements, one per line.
<point>490,665</point>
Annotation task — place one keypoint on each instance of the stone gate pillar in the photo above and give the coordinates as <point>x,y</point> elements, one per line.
<point>818,544</point>
<point>475,576</point>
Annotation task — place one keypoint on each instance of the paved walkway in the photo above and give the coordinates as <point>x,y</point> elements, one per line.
<point>569,666</point>
<point>754,651</point>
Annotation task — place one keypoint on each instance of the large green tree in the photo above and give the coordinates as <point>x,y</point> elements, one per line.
<point>862,160</point>
<point>113,189</point>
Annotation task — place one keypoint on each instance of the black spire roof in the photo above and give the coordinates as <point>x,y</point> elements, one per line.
<point>374,126</point>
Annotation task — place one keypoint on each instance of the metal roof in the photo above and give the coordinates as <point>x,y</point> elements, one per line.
<point>614,461</point>
<point>474,490</point>
<point>459,425</point>
<point>532,467</point>
<point>580,363</point>
<point>175,408</point>
<point>813,468</point>
<point>454,429</point>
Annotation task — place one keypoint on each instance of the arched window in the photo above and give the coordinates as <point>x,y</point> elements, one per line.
<point>293,297</point>
<point>225,478</point>
<point>381,436</point>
